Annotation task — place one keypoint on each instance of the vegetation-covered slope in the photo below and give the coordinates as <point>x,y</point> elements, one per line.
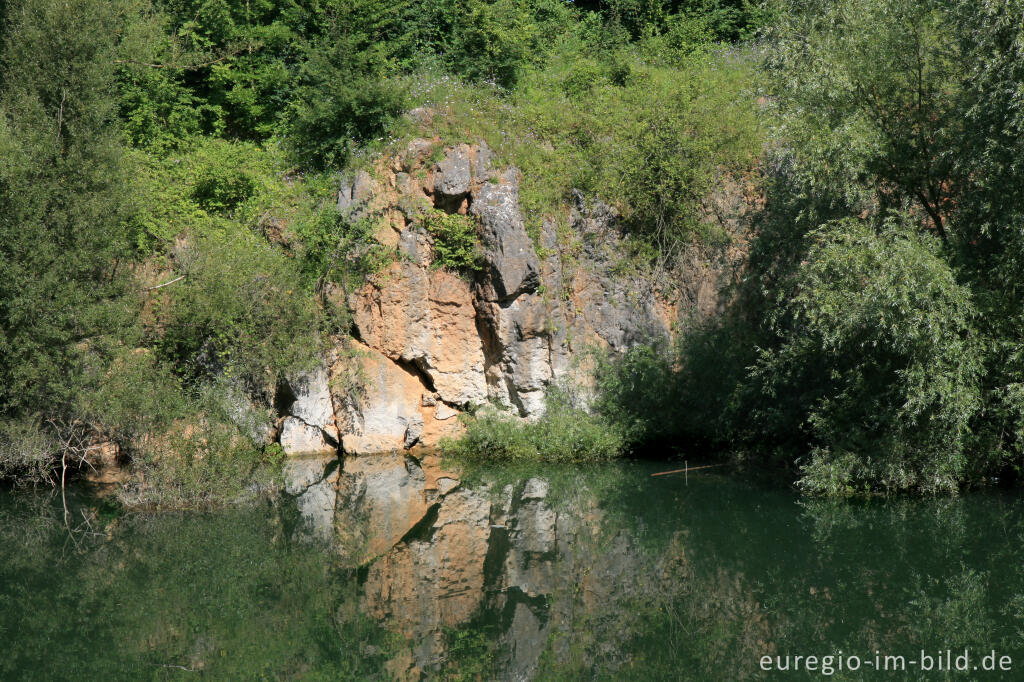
<point>167,224</point>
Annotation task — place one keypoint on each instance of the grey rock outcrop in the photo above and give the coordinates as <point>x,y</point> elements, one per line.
<point>299,438</point>
<point>496,335</point>
<point>454,174</point>
<point>311,399</point>
<point>511,259</point>
<point>309,425</point>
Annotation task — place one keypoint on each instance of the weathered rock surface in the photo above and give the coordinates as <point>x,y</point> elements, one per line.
<point>309,399</point>
<point>386,413</point>
<point>425,320</point>
<point>512,263</point>
<point>454,173</point>
<point>308,427</point>
<point>436,339</point>
<point>299,438</point>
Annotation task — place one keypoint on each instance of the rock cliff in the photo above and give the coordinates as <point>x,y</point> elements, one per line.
<point>429,343</point>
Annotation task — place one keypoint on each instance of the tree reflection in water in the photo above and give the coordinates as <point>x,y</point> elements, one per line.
<point>546,575</point>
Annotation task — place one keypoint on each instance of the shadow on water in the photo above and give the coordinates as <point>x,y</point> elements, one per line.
<point>540,574</point>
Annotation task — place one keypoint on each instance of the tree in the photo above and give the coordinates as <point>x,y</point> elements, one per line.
<point>866,90</point>
<point>241,57</point>
<point>62,233</point>
<point>876,361</point>
<point>345,95</point>
<point>917,106</point>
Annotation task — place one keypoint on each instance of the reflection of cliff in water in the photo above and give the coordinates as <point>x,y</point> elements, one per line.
<point>609,573</point>
<point>514,575</point>
<point>555,574</point>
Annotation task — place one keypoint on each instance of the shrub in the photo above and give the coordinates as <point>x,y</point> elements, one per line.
<point>27,452</point>
<point>876,361</point>
<point>240,309</point>
<point>456,245</point>
<point>639,391</point>
<point>565,433</point>
<point>223,176</point>
<point>202,462</point>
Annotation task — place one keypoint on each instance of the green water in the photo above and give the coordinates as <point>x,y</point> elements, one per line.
<point>612,575</point>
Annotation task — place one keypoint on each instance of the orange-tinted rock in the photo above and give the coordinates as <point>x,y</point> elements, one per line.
<point>425,319</point>
<point>426,584</point>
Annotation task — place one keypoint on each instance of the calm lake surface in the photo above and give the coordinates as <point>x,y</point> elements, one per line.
<point>606,574</point>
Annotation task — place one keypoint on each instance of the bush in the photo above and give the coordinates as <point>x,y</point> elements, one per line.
<point>565,433</point>
<point>456,245</point>
<point>639,391</point>
<point>876,361</point>
<point>201,462</point>
<point>332,248</point>
<point>27,452</point>
<point>240,309</point>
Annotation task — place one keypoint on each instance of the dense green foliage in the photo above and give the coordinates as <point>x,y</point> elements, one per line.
<point>880,105</point>
<point>876,345</point>
<point>165,213</point>
<point>873,343</point>
<point>456,245</point>
<point>62,229</point>
<point>565,433</point>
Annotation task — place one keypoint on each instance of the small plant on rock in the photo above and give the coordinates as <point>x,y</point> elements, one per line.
<point>456,245</point>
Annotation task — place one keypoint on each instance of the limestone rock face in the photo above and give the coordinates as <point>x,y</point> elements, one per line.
<point>521,343</point>
<point>426,321</point>
<point>308,426</point>
<point>299,438</point>
<point>619,309</point>
<point>511,259</point>
<point>382,412</point>
<point>454,173</point>
<point>438,342</point>
<point>311,398</point>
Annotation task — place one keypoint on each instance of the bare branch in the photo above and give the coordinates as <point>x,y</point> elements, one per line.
<point>160,286</point>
